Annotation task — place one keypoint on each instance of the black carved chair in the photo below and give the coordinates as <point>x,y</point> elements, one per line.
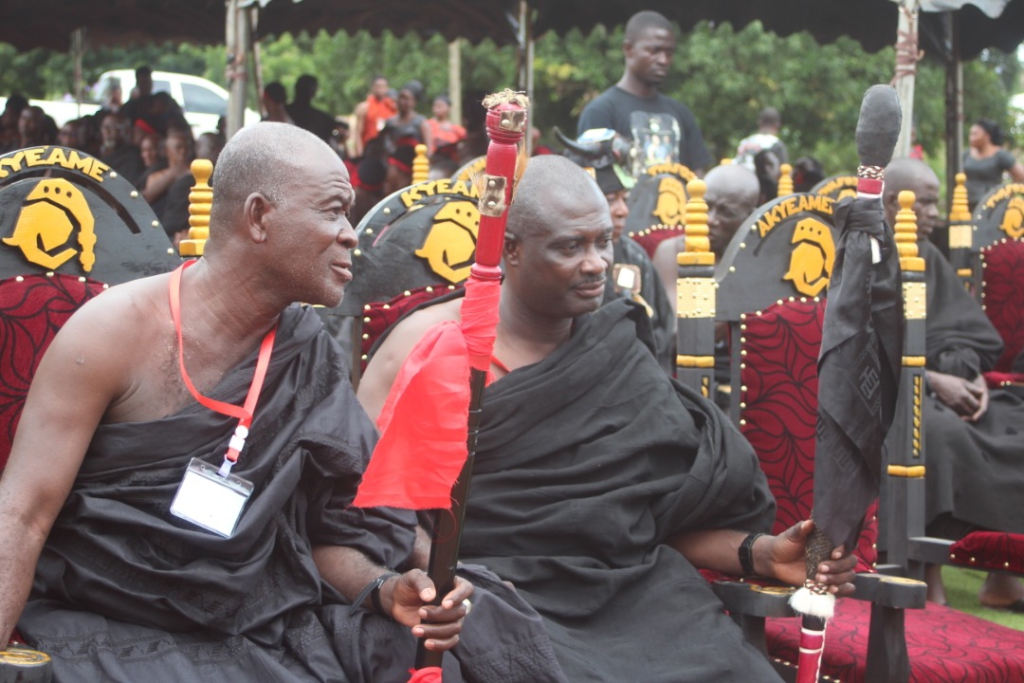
<point>770,292</point>
<point>69,229</point>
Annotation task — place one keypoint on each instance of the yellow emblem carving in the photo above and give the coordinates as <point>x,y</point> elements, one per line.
<point>810,264</point>
<point>451,242</point>
<point>671,202</point>
<point>52,211</point>
<point>1013,219</point>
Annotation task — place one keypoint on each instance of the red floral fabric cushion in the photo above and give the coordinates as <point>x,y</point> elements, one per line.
<point>379,316</point>
<point>943,645</point>
<point>779,389</point>
<point>32,309</point>
<point>651,238</point>
<point>993,550</point>
<point>1003,289</point>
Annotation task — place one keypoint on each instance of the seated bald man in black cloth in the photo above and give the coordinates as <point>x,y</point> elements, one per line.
<point>599,484</point>
<point>294,586</point>
<point>974,446</point>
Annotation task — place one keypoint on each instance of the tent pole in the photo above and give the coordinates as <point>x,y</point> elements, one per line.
<point>257,62</point>
<point>455,80</point>
<point>77,51</point>
<point>906,68</point>
<point>239,40</point>
<point>954,105</point>
<point>526,67</point>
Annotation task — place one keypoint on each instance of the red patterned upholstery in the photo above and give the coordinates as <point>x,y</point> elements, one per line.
<point>379,316</point>
<point>650,239</point>
<point>992,550</point>
<point>779,388</point>
<point>1003,289</point>
<point>943,645</point>
<point>32,309</point>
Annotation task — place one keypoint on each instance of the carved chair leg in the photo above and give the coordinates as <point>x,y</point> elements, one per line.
<point>888,661</point>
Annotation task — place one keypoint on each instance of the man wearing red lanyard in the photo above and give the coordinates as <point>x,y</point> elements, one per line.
<point>177,502</point>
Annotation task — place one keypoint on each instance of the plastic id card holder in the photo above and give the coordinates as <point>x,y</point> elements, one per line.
<point>210,500</point>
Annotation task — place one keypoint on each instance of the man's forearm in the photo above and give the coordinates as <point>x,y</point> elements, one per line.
<point>718,550</point>
<point>21,547</point>
<point>347,569</point>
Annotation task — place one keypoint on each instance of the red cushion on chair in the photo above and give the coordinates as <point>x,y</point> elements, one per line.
<point>1003,289</point>
<point>379,316</point>
<point>943,645</point>
<point>779,392</point>
<point>993,550</point>
<point>650,239</point>
<point>32,310</point>
<point>998,380</point>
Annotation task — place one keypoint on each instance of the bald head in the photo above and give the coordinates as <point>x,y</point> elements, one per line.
<point>641,22</point>
<point>551,183</point>
<point>732,195</point>
<point>919,178</point>
<point>259,159</point>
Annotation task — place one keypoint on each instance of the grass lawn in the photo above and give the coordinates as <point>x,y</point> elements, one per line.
<point>962,593</point>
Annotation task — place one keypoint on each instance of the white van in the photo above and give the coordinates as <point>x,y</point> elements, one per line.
<point>203,101</point>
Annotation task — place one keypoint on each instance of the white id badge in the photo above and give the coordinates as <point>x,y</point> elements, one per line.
<point>209,500</point>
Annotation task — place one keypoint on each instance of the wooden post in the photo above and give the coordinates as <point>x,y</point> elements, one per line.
<point>239,39</point>
<point>455,80</point>
<point>77,51</point>
<point>954,106</point>
<point>526,46</point>
<point>906,68</point>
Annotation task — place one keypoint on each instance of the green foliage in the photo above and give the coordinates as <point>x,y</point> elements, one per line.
<point>724,75</point>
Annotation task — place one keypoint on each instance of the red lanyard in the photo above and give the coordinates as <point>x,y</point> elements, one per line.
<point>243,413</point>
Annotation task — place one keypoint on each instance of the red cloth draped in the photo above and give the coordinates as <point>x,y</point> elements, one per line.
<point>430,674</point>
<point>422,447</point>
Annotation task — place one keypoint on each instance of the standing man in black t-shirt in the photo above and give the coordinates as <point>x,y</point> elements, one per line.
<point>649,46</point>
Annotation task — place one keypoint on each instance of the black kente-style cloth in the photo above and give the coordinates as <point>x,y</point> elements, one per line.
<point>587,464</point>
<point>975,470</point>
<point>124,591</point>
<point>663,321</point>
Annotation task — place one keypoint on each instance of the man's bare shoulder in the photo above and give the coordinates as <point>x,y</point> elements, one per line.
<point>408,331</point>
<point>131,306</point>
<point>425,318</point>
<point>385,364</point>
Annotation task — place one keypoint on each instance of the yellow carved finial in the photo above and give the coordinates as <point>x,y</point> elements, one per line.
<point>698,246</point>
<point>420,165</point>
<point>959,211</point>
<point>785,180</point>
<point>906,232</point>
<point>199,202</point>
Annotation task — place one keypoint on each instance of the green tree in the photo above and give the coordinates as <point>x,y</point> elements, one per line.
<point>725,76</point>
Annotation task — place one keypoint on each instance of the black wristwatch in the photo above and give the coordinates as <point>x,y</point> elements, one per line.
<point>747,554</point>
<point>372,590</point>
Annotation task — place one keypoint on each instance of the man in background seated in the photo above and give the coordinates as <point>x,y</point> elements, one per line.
<point>599,484</point>
<point>973,436</point>
<point>732,195</point>
<point>126,397</point>
<point>117,151</point>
